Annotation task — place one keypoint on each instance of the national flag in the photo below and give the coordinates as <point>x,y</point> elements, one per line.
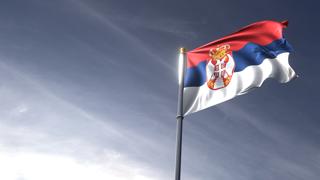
<point>235,64</point>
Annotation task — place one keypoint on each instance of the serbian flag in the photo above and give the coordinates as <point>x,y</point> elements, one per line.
<point>235,64</point>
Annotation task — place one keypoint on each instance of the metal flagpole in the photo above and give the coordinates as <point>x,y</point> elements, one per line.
<point>182,64</point>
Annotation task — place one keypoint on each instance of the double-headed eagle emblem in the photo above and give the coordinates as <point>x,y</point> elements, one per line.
<point>220,67</point>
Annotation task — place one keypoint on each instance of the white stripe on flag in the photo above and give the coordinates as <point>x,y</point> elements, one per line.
<point>198,98</point>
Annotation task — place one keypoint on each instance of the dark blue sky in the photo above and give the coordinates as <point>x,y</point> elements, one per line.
<point>88,90</point>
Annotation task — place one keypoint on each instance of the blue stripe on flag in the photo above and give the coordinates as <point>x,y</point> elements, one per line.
<point>253,54</point>
<point>196,76</point>
<point>250,54</point>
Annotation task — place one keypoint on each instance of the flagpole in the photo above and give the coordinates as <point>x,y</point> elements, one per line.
<point>182,64</point>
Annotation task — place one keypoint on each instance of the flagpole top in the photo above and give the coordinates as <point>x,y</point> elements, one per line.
<point>183,50</point>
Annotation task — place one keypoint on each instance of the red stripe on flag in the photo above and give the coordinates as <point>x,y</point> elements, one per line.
<point>261,33</point>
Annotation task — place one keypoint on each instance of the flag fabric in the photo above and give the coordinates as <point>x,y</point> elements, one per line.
<point>235,64</point>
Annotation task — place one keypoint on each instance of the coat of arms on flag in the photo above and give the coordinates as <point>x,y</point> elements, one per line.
<point>220,67</point>
<point>234,64</point>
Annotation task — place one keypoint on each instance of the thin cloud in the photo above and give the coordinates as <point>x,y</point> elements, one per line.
<point>117,29</point>
<point>44,133</point>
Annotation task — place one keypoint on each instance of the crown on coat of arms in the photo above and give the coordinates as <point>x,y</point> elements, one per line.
<point>219,52</point>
